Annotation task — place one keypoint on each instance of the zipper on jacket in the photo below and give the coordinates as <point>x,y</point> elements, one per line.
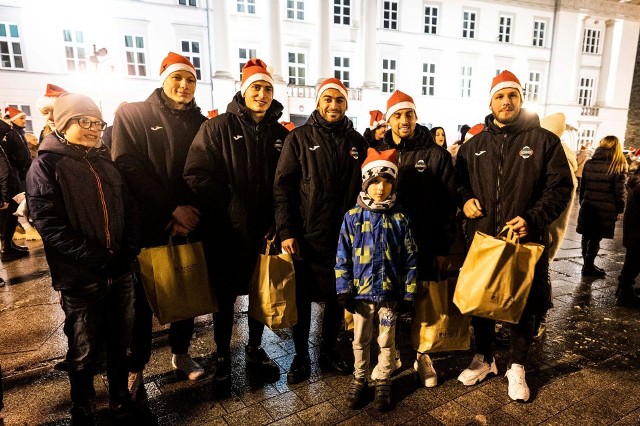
<point>105,211</point>
<point>497,225</point>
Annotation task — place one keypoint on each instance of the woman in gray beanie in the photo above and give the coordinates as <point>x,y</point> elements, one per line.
<point>80,205</point>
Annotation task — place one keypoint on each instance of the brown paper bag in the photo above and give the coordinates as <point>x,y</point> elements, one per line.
<point>176,281</point>
<point>272,290</point>
<point>496,276</point>
<point>438,325</point>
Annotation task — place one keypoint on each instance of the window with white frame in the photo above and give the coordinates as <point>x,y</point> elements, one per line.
<point>28,127</point>
<point>135,55</point>
<point>297,68</point>
<point>587,137</point>
<point>498,71</point>
<point>246,6</point>
<point>388,75</point>
<point>295,9</point>
<point>10,46</point>
<point>532,88</point>
<point>591,41</point>
<point>539,29</point>
<point>431,19</point>
<point>341,69</point>
<point>74,50</point>
<point>504,29</point>
<point>390,15</point>
<point>585,91</point>
<point>469,24</point>
<point>428,79</point>
<point>244,54</point>
<point>342,12</point>
<point>465,81</point>
<point>193,3</point>
<point>191,50</point>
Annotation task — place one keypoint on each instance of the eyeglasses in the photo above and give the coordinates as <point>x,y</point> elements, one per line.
<point>85,123</point>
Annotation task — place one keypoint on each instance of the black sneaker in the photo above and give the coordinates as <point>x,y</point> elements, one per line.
<point>382,401</point>
<point>82,415</point>
<point>300,369</point>
<point>357,391</point>
<point>258,360</point>
<point>222,378</point>
<point>593,271</point>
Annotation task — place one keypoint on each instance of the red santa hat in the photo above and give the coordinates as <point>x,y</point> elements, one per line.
<point>377,119</point>
<point>51,93</point>
<point>13,113</point>
<point>332,83</point>
<point>473,131</point>
<point>174,62</point>
<point>213,113</point>
<point>506,79</point>
<point>254,70</point>
<point>399,100</point>
<point>288,125</point>
<point>380,163</point>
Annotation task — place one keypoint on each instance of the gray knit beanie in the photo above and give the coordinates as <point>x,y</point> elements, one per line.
<point>72,105</point>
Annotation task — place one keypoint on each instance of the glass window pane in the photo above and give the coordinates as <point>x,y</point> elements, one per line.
<point>3,30</point>
<point>195,47</point>
<point>128,41</point>
<point>66,34</point>
<point>81,53</point>
<point>142,70</point>
<point>16,48</point>
<point>13,29</point>
<point>129,57</point>
<point>292,57</point>
<point>79,37</point>
<point>141,58</point>
<point>71,65</point>
<point>345,62</point>
<point>140,42</point>
<point>68,52</point>
<point>196,62</point>
<point>185,46</point>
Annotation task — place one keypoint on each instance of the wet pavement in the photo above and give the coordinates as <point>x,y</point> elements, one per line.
<point>584,372</point>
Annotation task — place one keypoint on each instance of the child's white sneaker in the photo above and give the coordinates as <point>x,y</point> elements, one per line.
<point>424,367</point>
<point>518,389</point>
<point>477,371</point>
<point>185,364</point>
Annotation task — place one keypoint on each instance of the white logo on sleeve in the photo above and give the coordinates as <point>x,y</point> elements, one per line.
<point>478,154</point>
<point>154,128</point>
<point>236,137</point>
<point>313,148</point>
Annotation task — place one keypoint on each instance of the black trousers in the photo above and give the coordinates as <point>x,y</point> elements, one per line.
<point>590,248</point>
<point>631,266</point>
<point>331,322</point>
<point>9,225</point>
<point>223,325</point>
<point>180,332</point>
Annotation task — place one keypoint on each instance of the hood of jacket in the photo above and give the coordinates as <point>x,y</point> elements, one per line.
<point>420,139</point>
<point>238,107</point>
<point>525,121</point>
<point>57,144</point>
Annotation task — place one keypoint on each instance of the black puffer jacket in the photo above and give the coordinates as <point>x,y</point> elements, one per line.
<point>601,196</point>
<point>150,142</point>
<point>9,176</point>
<point>317,181</point>
<point>427,192</point>
<point>517,170</point>
<point>81,207</point>
<point>17,150</point>
<point>631,224</point>
<point>230,168</point>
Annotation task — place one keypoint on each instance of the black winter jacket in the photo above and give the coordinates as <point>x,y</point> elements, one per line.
<point>601,196</point>
<point>9,176</point>
<point>17,150</point>
<point>631,224</point>
<point>150,142</point>
<point>230,168</point>
<point>427,192</point>
<point>81,207</point>
<point>517,170</point>
<point>317,181</point>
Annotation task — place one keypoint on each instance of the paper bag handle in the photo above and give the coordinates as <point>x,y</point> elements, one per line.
<point>511,236</point>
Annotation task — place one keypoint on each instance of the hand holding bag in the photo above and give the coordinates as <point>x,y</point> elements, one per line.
<point>176,281</point>
<point>496,277</point>
<point>272,290</point>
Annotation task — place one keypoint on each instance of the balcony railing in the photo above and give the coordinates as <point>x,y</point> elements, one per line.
<point>590,111</point>
<point>294,91</point>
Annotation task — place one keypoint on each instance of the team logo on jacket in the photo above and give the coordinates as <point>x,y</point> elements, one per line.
<point>354,153</point>
<point>278,145</point>
<point>421,166</point>
<point>526,152</point>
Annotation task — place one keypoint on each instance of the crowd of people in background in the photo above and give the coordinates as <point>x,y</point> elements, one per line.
<point>367,218</point>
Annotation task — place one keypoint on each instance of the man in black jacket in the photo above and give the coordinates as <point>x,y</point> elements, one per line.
<point>151,140</point>
<point>514,173</point>
<point>317,180</point>
<point>230,168</point>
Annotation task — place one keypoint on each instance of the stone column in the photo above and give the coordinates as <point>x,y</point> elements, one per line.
<point>577,62</point>
<point>370,59</point>
<point>274,40</point>
<point>323,58</point>
<point>220,42</point>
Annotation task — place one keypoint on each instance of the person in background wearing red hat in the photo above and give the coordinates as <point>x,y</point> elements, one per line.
<point>15,148</point>
<point>317,181</point>
<point>365,289</point>
<point>377,126</point>
<point>151,140</point>
<point>45,106</point>
<point>426,191</point>
<point>513,173</point>
<point>230,168</point>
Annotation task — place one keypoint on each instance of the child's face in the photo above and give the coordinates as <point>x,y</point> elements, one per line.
<point>379,189</point>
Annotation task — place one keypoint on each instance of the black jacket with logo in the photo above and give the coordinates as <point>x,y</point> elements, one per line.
<point>230,168</point>
<point>427,192</point>
<point>317,181</point>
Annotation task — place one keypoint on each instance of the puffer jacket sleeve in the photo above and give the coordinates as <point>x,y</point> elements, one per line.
<point>557,190</point>
<point>344,258</point>
<point>5,177</point>
<point>47,210</point>
<point>410,273</point>
<point>620,191</point>
<point>286,190</point>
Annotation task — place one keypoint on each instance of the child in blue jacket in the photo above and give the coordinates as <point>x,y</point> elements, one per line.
<point>375,272</point>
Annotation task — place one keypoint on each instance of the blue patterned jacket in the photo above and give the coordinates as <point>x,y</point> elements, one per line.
<point>376,257</point>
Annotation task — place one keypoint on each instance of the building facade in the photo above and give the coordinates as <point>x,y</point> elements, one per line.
<point>571,56</point>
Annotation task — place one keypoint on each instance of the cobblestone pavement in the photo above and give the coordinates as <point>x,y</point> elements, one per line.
<point>584,372</point>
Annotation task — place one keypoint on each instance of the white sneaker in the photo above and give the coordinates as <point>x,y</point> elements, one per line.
<point>424,367</point>
<point>518,389</point>
<point>188,366</point>
<point>477,370</point>
<point>135,383</point>
<point>375,374</point>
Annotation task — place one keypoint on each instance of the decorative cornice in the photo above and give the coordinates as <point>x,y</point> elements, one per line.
<point>605,8</point>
